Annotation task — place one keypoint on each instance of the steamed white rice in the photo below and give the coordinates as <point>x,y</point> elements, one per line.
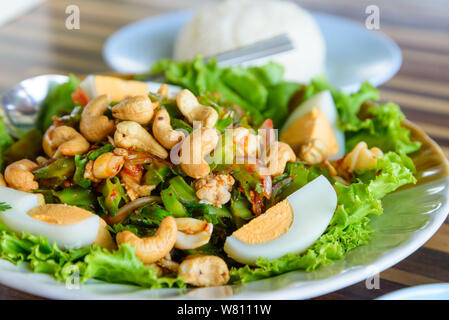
<point>228,24</point>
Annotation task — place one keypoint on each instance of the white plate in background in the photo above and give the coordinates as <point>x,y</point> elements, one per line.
<point>354,53</point>
<point>436,291</point>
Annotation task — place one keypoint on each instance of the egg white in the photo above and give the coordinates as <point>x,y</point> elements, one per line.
<point>69,236</point>
<point>313,207</point>
<point>324,101</point>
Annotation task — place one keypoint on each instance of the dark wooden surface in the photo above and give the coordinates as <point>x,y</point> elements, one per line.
<point>38,42</point>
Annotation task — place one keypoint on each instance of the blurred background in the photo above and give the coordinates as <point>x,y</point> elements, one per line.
<point>34,40</point>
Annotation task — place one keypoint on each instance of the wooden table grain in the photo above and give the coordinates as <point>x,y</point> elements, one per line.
<point>38,42</point>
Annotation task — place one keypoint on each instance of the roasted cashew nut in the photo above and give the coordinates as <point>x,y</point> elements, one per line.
<point>192,233</point>
<point>2,181</point>
<point>194,111</point>
<point>313,151</point>
<point>139,109</point>
<point>163,131</point>
<point>107,165</point>
<point>360,158</point>
<point>94,125</point>
<point>18,175</point>
<point>280,153</point>
<point>163,90</point>
<point>64,140</point>
<point>195,147</point>
<point>151,249</point>
<point>204,271</point>
<point>131,135</point>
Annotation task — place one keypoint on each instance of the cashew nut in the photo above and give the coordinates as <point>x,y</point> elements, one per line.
<point>18,175</point>
<point>65,140</point>
<point>137,108</point>
<point>194,111</point>
<point>40,160</point>
<point>107,165</point>
<point>192,233</point>
<point>94,125</point>
<point>195,147</point>
<point>2,181</point>
<point>314,151</point>
<point>360,158</point>
<point>89,172</point>
<point>151,249</point>
<point>163,90</point>
<point>280,154</point>
<point>163,131</point>
<point>167,263</point>
<point>204,271</point>
<point>131,135</point>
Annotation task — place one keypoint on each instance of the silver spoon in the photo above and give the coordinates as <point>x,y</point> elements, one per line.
<point>20,105</point>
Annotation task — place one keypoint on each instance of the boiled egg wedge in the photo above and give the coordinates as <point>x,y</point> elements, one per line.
<point>292,225</point>
<point>118,89</point>
<point>69,226</point>
<point>323,101</point>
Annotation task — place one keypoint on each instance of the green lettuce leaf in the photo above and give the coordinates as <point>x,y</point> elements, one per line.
<point>120,266</point>
<point>348,105</point>
<point>58,102</point>
<point>259,90</point>
<point>5,141</point>
<point>380,126</point>
<point>393,171</point>
<point>385,131</point>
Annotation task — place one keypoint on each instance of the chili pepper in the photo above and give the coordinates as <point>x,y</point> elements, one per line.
<point>240,210</point>
<point>172,204</point>
<point>98,152</point>
<point>78,177</point>
<point>76,196</point>
<point>29,146</point>
<point>184,192</point>
<point>156,173</point>
<point>61,169</point>
<point>114,195</point>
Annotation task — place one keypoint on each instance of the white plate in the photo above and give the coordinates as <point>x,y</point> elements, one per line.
<point>354,53</point>
<point>437,291</point>
<point>411,217</point>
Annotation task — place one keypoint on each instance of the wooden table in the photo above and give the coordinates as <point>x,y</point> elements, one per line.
<point>38,43</point>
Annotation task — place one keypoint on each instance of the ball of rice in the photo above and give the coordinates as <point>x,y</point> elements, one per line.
<point>229,24</point>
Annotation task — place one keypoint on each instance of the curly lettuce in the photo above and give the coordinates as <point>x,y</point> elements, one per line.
<point>379,126</point>
<point>120,266</point>
<point>385,131</point>
<point>259,90</point>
